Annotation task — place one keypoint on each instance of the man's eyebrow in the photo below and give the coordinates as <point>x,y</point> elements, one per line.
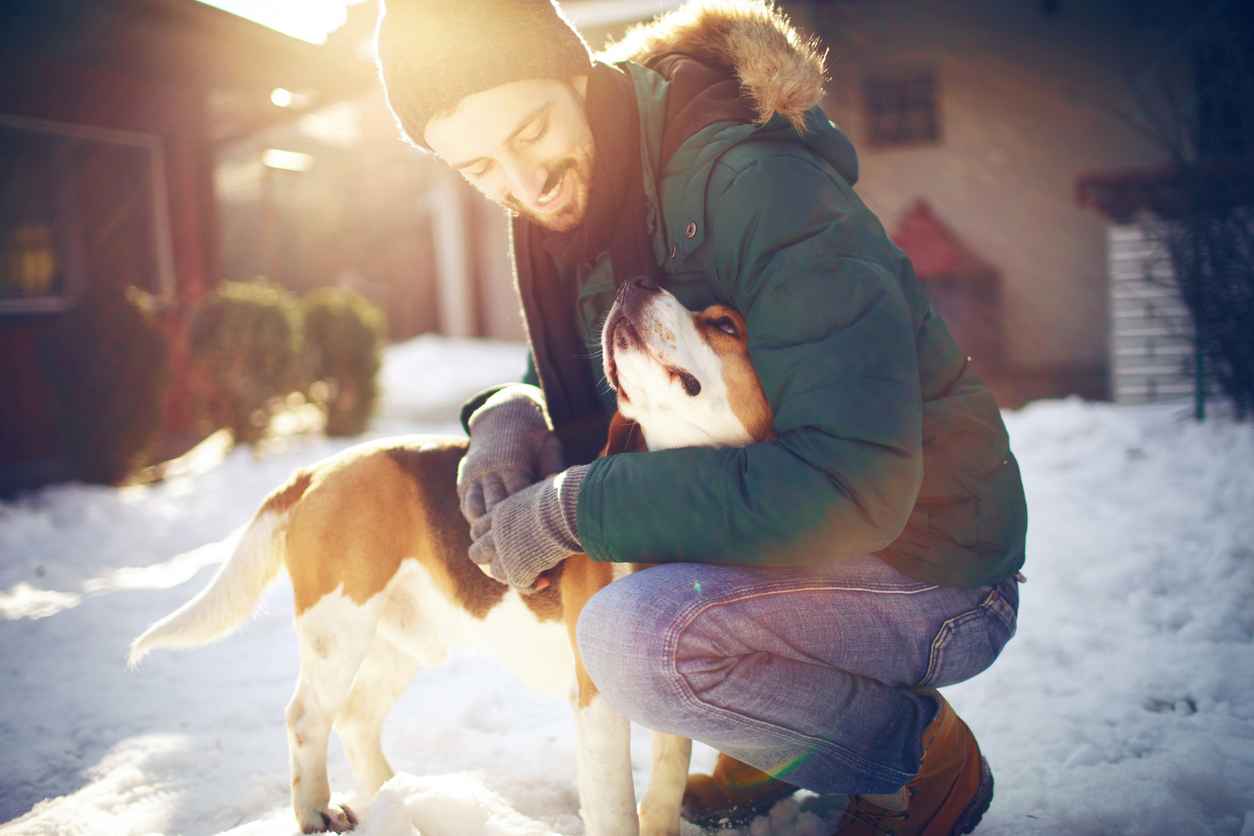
<point>527,120</point>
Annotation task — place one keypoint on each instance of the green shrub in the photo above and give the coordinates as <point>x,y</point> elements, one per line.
<point>107,361</point>
<point>246,336</point>
<point>343,345</point>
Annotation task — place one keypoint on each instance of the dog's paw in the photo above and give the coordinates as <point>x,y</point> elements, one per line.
<point>335,821</point>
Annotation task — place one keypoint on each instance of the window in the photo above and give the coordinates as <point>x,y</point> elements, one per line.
<point>76,205</point>
<point>901,108</point>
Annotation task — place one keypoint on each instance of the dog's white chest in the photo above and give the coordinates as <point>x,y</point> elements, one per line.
<point>420,619</point>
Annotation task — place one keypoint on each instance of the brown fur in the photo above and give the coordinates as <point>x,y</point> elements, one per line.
<point>780,70</point>
<point>434,477</point>
<point>748,401</point>
<point>285,497</point>
<point>351,530</point>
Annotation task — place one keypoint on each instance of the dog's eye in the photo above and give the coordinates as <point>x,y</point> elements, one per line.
<point>727,325</point>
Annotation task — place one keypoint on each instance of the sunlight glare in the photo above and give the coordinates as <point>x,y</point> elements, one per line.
<point>308,20</point>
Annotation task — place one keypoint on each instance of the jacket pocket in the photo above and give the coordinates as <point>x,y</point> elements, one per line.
<point>971,641</point>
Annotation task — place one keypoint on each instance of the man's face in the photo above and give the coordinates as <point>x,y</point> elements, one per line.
<point>526,145</point>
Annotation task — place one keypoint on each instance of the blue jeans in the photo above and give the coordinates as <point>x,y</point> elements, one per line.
<point>806,673</point>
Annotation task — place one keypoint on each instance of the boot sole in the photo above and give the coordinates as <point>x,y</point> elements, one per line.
<point>738,814</point>
<point>979,805</point>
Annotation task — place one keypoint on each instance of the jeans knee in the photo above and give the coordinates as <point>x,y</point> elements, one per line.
<point>622,639</point>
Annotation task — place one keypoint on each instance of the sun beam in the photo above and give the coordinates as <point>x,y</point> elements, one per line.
<point>308,20</point>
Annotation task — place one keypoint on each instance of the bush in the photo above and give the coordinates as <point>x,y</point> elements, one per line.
<point>246,336</point>
<point>343,344</point>
<point>108,363</point>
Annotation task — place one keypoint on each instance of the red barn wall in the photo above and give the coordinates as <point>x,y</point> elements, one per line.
<point>175,111</point>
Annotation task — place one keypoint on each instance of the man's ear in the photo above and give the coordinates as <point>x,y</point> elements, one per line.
<point>624,436</point>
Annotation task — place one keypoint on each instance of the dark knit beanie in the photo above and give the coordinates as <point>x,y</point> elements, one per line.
<point>433,53</point>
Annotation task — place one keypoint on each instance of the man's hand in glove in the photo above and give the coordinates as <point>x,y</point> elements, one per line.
<point>511,447</point>
<point>530,532</point>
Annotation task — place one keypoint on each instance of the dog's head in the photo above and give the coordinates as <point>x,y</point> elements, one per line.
<point>683,376</point>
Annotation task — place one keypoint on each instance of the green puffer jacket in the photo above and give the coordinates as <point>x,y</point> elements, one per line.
<point>887,442</point>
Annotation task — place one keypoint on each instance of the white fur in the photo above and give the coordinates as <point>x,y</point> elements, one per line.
<point>606,795</point>
<point>356,659</point>
<point>659,812</point>
<point>656,400</point>
<point>229,599</point>
<point>425,624</point>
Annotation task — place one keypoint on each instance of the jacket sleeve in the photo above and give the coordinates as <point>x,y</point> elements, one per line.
<point>477,400</point>
<point>831,337</point>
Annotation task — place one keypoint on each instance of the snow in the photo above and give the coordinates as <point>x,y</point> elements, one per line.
<point>1123,706</point>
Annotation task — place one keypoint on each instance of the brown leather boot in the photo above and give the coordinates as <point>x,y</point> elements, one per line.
<point>949,795</point>
<point>734,794</point>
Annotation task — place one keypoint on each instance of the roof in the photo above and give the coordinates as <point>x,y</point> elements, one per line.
<point>190,44</point>
<point>935,249</point>
<point>1168,191</point>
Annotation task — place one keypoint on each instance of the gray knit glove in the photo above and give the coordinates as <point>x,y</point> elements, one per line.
<point>511,447</point>
<point>531,531</point>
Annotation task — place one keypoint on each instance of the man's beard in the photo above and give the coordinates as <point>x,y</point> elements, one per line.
<point>575,204</point>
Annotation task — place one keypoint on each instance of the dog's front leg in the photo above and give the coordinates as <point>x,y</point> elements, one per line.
<point>659,812</point>
<point>607,797</point>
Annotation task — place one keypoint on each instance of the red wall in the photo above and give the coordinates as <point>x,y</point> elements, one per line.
<point>175,111</point>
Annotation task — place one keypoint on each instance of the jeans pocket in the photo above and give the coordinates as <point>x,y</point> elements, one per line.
<point>970,641</point>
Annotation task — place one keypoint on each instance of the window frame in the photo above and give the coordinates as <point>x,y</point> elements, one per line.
<point>68,241</point>
<point>874,84</point>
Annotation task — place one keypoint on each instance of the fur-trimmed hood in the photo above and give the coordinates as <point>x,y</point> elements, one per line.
<point>779,70</point>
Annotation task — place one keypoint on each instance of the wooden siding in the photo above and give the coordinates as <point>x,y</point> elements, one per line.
<point>1151,333</point>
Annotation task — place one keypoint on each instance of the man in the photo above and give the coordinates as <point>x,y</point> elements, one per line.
<point>816,588</point>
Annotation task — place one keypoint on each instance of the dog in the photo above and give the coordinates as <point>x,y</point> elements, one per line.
<point>376,549</point>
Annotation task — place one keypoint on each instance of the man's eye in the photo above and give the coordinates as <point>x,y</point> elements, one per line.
<point>534,132</point>
<point>727,325</point>
<point>478,172</point>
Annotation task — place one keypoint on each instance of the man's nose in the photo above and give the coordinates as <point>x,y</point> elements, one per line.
<point>526,179</point>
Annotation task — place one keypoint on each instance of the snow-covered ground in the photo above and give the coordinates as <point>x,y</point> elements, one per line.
<point>1125,705</point>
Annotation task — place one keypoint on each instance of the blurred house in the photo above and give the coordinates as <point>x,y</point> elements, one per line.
<point>988,114</point>
<point>169,144</point>
<point>110,116</point>
<point>975,123</point>
<point>359,208</point>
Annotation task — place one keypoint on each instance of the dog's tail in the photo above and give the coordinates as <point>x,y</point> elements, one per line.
<point>232,595</point>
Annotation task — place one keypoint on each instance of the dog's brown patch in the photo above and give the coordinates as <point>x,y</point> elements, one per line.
<point>351,529</point>
<point>624,436</point>
<point>747,400</point>
<point>285,497</point>
<point>433,471</point>
<point>744,388</point>
<point>441,539</point>
<point>582,578</point>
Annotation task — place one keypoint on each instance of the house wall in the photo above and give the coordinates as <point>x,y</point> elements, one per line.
<point>89,96</point>
<point>1027,102</point>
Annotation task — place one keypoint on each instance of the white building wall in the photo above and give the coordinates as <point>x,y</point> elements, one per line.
<point>1026,106</point>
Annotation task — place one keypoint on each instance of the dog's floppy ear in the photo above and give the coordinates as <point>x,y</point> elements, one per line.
<point>624,436</point>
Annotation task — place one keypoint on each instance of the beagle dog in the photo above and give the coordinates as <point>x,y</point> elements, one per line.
<point>376,550</point>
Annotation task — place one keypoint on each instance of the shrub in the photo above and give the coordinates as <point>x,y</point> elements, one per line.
<point>343,344</point>
<point>108,364</point>
<point>246,336</point>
